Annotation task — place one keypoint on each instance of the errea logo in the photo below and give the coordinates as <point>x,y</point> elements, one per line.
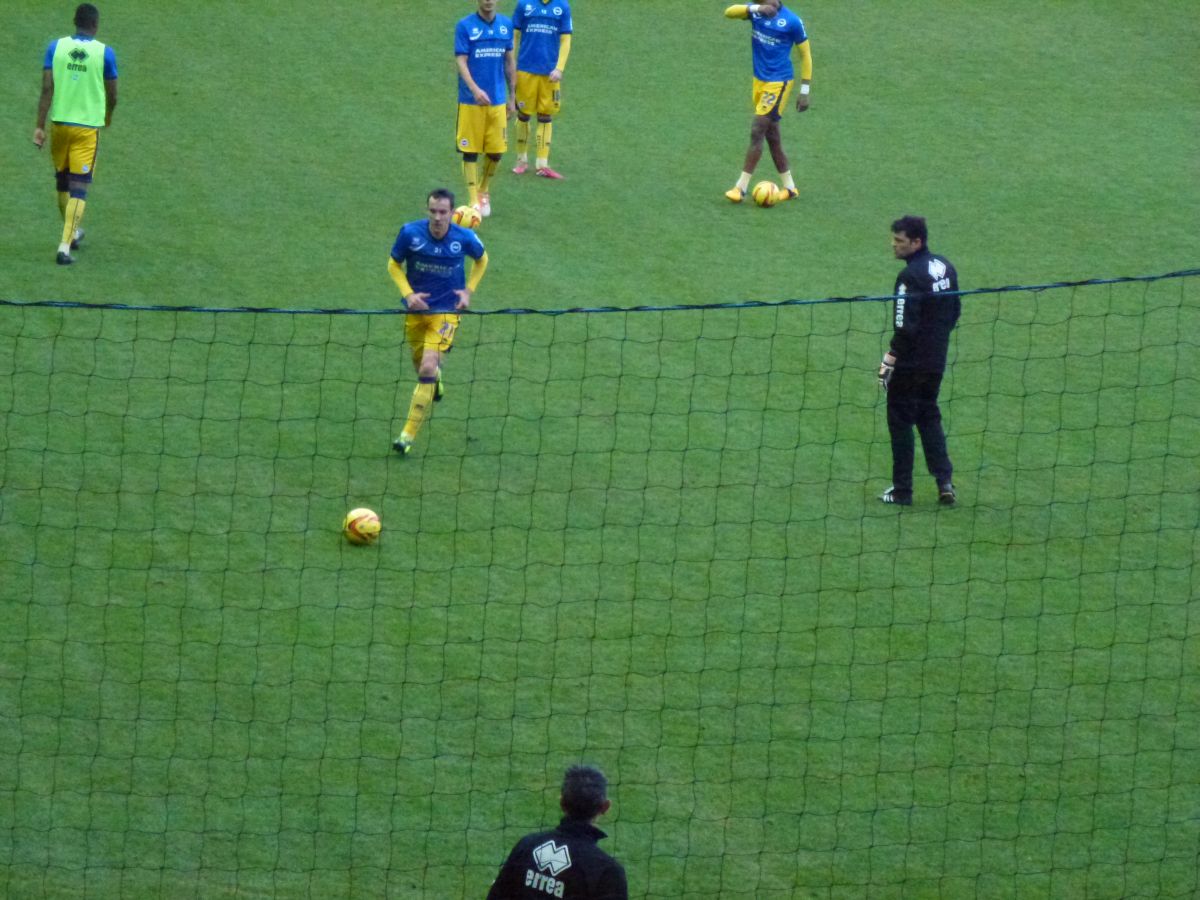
<point>549,856</point>
<point>553,857</point>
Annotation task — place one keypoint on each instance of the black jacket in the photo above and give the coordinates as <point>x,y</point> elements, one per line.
<point>924,320</point>
<point>565,862</point>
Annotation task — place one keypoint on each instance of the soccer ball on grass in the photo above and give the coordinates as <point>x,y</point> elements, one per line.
<point>361,526</point>
<point>766,193</point>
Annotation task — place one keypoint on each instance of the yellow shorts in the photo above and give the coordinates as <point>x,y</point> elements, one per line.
<point>770,97</point>
<point>73,149</point>
<point>538,95</point>
<point>481,129</point>
<point>430,331</point>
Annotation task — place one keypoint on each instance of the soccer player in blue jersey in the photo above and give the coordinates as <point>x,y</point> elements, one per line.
<point>428,266</point>
<point>487,76</point>
<point>775,31</point>
<point>79,94</point>
<point>543,46</point>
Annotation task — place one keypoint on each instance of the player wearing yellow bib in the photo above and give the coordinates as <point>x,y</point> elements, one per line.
<point>543,45</point>
<point>775,31</point>
<point>79,94</point>
<point>428,266</point>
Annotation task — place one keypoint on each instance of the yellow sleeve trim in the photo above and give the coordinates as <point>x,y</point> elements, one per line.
<point>805,52</point>
<point>478,267</point>
<point>399,277</point>
<point>564,50</point>
<point>738,11</point>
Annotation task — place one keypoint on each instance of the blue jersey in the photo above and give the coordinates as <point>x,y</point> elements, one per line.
<point>436,267</point>
<point>484,45</point>
<point>772,41</point>
<point>540,25</point>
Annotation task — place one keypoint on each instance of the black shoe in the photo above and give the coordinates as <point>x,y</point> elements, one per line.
<point>402,445</point>
<point>77,238</point>
<point>891,496</point>
<point>946,495</point>
<point>63,259</point>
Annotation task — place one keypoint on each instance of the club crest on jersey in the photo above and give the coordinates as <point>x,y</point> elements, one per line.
<point>455,247</point>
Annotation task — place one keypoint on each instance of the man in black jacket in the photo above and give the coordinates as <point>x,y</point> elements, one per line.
<point>926,310</point>
<point>566,862</point>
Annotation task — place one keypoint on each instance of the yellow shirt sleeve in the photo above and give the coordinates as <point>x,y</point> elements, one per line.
<point>564,50</point>
<point>738,11</point>
<point>804,51</point>
<point>478,267</point>
<point>399,277</point>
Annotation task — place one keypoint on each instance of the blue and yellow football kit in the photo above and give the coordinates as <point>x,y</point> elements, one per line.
<point>483,129</point>
<point>423,264</point>
<point>543,25</point>
<point>437,268</point>
<point>772,41</point>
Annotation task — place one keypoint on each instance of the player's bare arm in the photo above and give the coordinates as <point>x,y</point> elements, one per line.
<point>47,95</point>
<point>480,95</point>
<point>110,100</point>
<point>510,75</point>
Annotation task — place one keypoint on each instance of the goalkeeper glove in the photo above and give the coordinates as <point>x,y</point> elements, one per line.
<point>887,368</point>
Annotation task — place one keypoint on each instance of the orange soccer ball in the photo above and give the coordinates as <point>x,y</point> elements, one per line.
<point>766,193</point>
<point>361,526</point>
<point>467,216</point>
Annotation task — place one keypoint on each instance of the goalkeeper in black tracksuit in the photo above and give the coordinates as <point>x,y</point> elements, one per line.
<point>912,368</point>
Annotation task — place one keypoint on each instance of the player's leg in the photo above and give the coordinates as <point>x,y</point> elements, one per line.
<point>522,165</point>
<point>758,133</point>
<point>495,143</point>
<point>526,101</point>
<point>766,97</point>
<point>900,420</point>
<point>928,418</point>
<point>774,138</point>
<point>468,141</point>
<point>549,104</point>
<point>74,149</point>
<point>434,335</point>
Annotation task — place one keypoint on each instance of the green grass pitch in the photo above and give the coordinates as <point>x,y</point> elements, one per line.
<point>647,540</point>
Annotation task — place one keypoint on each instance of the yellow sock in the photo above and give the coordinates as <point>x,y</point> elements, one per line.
<point>418,410</point>
<point>523,139</point>
<point>544,131</point>
<point>72,216</point>
<point>471,174</point>
<point>63,196</point>
<point>489,169</point>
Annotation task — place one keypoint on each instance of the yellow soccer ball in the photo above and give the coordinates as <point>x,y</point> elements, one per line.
<point>765,193</point>
<point>361,526</point>
<point>467,216</point>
